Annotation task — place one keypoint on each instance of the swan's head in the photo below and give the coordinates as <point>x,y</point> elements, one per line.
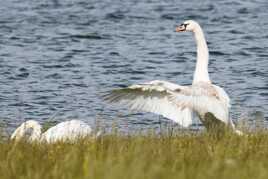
<point>188,25</point>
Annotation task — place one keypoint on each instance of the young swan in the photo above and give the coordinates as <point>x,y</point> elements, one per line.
<point>64,131</point>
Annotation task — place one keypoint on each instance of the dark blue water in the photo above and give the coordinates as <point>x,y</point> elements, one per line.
<point>57,57</point>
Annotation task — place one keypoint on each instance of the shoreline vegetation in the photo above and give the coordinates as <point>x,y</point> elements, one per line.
<point>152,155</point>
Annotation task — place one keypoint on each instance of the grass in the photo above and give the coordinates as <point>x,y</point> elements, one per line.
<point>149,156</point>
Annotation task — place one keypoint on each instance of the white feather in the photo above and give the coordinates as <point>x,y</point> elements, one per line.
<point>67,131</point>
<point>152,97</point>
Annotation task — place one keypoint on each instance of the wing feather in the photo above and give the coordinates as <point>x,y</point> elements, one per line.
<point>152,97</point>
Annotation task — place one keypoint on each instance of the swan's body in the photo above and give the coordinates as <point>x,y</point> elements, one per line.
<point>210,102</point>
<point>64,131</point>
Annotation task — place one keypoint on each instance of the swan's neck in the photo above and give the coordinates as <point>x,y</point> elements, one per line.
<point>36,134</point>
<point>21,131</point>
<point>201,69</point>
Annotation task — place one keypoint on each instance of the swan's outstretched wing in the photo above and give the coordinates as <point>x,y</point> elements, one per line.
<point>67,131</point>
<point>152,97</point>
<point>173,101</point>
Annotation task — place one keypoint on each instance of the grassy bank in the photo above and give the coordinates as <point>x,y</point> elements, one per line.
<point>140,156</point>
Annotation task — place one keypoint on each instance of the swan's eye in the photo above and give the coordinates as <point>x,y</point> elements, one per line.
<point>185,25</point>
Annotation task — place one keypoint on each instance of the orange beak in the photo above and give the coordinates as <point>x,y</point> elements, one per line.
<point>180,28</point>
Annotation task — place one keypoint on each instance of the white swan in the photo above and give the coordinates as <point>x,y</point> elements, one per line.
<point>64,131</point>
<point>210,102</point>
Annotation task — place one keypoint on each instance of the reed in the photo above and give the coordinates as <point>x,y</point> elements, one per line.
<point>139,156</point>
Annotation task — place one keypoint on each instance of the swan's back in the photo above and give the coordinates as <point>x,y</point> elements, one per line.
<point>67,131</point>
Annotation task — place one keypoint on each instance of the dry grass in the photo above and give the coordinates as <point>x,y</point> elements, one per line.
<point>139,156</point>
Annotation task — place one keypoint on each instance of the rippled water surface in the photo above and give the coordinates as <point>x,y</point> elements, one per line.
<point>57,57</point>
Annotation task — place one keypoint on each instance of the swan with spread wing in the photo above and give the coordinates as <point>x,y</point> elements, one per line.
<point>210,102</point>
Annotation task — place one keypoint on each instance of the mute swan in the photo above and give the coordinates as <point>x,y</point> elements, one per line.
<point>64,131</point>
<point>210,102</point>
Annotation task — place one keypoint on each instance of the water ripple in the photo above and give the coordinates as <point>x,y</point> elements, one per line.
<point>62,55</point>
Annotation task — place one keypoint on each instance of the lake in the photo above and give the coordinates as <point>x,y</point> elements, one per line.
<point>58,57</point>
